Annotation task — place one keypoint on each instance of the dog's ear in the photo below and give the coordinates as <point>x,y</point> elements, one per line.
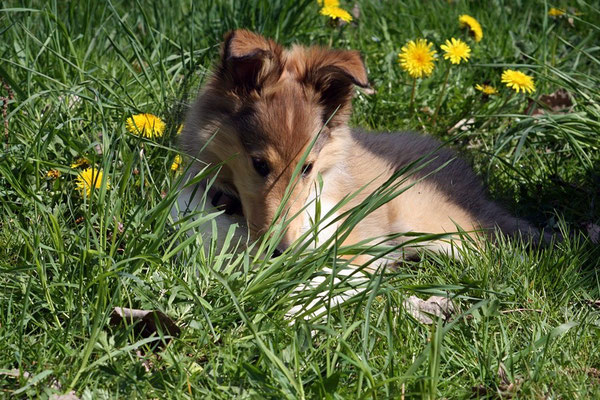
<point>333,74</point>
<point>249,60</point>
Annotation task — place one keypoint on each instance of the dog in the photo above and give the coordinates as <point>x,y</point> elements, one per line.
<point>276,122</point>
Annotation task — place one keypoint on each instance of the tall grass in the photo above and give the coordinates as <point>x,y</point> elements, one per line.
<point>526,323</point>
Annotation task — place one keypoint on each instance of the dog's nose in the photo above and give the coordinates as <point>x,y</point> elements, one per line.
<point>276,253</point>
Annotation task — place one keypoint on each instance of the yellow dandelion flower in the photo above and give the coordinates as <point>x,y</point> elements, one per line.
<point>518,81</point>
<point>89,179</point>
<point>336,13</point>
<point>486,89</point>
<point>80,162</point>
<point>474,26</point>
<point>456,50</point>
<point>53,174</point>
<point>180,129</point>
<point>147,125</point>
<point>329,3</point>
<point>556,12</point>
<point>176,163</point>
<point>417,58</point>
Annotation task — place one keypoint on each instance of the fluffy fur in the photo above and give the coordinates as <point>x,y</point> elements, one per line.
<point>262,108</point>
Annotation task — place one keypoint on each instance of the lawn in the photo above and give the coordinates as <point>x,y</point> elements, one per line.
<point>526,323</point>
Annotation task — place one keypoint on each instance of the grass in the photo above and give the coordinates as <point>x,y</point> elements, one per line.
<point>526,325</point>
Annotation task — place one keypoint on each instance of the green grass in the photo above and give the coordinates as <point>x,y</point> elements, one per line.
<point>65,262</point>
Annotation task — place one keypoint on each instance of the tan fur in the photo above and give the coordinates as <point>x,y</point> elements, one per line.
<point>266,103</point>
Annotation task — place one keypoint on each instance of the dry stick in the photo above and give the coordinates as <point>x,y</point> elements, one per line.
<point>5,100</point>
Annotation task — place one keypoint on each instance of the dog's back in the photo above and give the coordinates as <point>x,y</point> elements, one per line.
<point>436,163</point>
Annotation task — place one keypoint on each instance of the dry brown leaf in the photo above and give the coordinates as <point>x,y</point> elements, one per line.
<point>149,322</point>
<point>435,306</point>
<point>558,102</point>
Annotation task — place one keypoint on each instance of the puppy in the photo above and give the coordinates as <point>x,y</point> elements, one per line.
<point>277,121</point>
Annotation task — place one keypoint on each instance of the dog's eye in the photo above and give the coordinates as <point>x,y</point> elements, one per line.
<point>306,168</point>
<point>261,166</point>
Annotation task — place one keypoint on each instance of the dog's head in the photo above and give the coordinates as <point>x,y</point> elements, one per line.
<point>260,113</point>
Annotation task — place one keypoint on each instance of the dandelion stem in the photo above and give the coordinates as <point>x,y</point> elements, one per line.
<point>498,109</point>
<point>439,102</point>
<point>412,94</point>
